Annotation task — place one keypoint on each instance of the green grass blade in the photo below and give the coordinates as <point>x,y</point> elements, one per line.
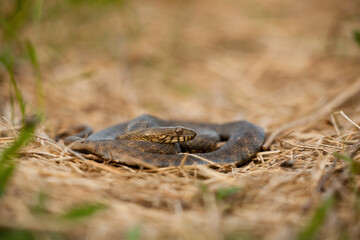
<point>39,207</point>
<point>17,20</point>
<point>8,65</point>
<point>15,234</point>
<point>222,193</point>
<point>354,165</point>
<point>133,233</point>
<point>310,230</point>
<point>7,157</point>
<point>83,211</point>
<point>33,57</point>
<point>356,35</point>
<point>9,233</point>
<point>7,30</point>
<point>37,10</point>
<point>6,172</point>
<point>39,81</point>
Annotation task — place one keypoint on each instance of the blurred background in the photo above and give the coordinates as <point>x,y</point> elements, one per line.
<point>102,62</point>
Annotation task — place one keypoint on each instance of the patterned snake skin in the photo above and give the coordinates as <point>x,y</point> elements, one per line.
<point>242,140</point>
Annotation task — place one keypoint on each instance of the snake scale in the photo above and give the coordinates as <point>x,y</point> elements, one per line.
<point>148,140</point>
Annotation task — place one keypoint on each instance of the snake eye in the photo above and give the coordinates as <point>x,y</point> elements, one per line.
<point>178,130</point>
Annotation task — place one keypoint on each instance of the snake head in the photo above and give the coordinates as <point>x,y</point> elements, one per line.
<point>185,134</point>
<point>174,135</point>
<point>160,135</point>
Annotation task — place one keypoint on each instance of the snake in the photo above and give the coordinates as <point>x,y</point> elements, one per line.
<point>151,141</point>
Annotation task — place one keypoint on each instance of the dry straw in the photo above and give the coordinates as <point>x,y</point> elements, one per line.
<point>264,61</point>
<point>279,186</point>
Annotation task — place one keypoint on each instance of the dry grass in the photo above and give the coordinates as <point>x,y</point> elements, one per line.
<point>265,61</point>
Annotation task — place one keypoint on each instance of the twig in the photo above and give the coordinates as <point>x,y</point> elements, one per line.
<point>321,184</point>
<point>308,146</point>
<point>268,153</point>
<point>347,118</point>
<point>104,167</point>
<point>9,125</point>
<point>354,149</point>
<point>318,114</point>
<point>351,151</point>
<point>205,160</point>
<point>183,160</point>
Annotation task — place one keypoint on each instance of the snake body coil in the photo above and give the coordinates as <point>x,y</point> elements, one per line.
<point>128,143</point>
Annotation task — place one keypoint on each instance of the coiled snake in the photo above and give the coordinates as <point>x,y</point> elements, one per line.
<point>148,140</point>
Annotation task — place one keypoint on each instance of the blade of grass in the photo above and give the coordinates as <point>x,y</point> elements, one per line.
<point>39,81</point>
<point>354,165</point>
<point>37,10</point>
<point>39,206</point>
<point>7,157</point>
<point>312,227</point>
<point>83,211</point>
<point>12,24</point>
<point>15,234</point>
<point>33,57</point>
<point>133,233</point>
<point>356,35</point>
<point>8,65</point>
<point>8,233</point>
<point>222,193</point>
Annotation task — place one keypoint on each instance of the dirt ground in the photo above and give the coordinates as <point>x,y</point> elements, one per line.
<point>287,66</point>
